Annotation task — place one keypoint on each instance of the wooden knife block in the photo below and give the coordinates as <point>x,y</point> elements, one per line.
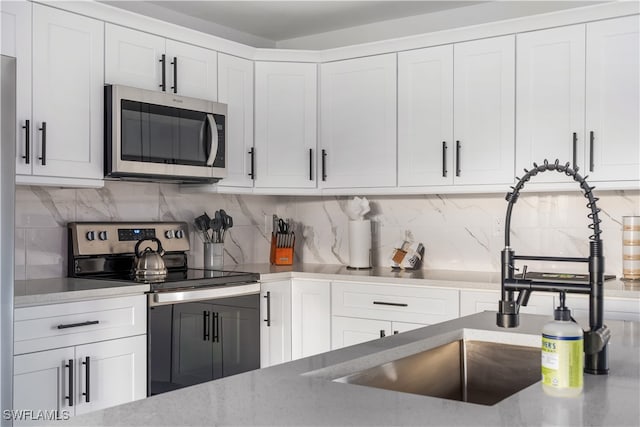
<point>281,256</point>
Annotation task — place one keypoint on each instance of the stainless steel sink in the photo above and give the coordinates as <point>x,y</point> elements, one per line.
<point>480,372</point>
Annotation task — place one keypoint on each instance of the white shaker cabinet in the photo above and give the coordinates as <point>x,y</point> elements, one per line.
<point>310,317</point>
<point>275,324</point>
<point>146,61</point>
<point>346,331</point>
<point>613,100</point>
<point>484,111</point>
<point>285,124</point>
<point>425,117</point>
<point>550,99</point>
<point>235,88</point>
<point>472,302</point>
<point>358,122</point>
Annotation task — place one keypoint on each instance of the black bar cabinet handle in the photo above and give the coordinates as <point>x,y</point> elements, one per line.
<point>444,159</point>
<point>44,144</point>
<point>457,158</point>
<point>268,319</point>
<point>216,328</point>
<point>395,332</point>
<point>252,154</point>
<point>205,325</point>
<point>87,380</point>
<point>310,164</point>
<point>382,334</point>
<point>591,138</point>
<point>324,165</point>
<point>70,396</point>
<point>395,304</point>
<point>27,142</point>
<point>75,325</point>
<point>175,74</point>
<point>575,149</point>
<point>163,60</point>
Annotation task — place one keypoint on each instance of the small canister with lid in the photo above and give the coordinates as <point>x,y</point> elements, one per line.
<point>631,247</point>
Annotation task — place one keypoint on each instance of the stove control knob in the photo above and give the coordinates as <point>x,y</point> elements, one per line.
<point>103,235</point>
<point>168,234</point>
<point>91,235</point>
<point>179,234</point>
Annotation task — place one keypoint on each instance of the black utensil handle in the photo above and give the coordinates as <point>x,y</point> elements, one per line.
<point>382,334</point>
<point>163,61</point>
<point>591,138</point>
<point>87,378</point>
<point>75,325</point>
<point>70,396</point>
<point>252,153</point>
<point>324,165</point>
<point>216,329</point>
<point>27,141</point>
<point>175,74</point>
<point>444,159</point>
<point>310,164</point>
<point>268,319</point>
<point>205,325</point>
<point>575,149</point>
<point>44,144</point>
<point>395,304</point>
<point>457,158</point>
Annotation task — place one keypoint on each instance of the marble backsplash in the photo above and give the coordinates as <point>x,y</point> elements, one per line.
<point>463,232</point>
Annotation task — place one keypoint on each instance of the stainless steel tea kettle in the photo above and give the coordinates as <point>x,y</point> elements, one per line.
<point>149,265</point>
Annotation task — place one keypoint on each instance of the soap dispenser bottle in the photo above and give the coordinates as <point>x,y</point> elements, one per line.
<point>562,354</point>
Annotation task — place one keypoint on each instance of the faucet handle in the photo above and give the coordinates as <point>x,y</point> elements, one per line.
<point>524,273</point>
<point>523,298</point>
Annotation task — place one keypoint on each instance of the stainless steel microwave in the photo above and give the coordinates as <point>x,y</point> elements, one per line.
<point>152,135</point>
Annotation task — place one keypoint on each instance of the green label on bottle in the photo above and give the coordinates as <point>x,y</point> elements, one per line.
<point>562,361</point>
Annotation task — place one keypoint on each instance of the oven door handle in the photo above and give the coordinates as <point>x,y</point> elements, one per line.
<point>177,297</point>
<point>213,145</point>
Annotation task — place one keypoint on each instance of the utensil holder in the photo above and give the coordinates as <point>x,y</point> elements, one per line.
<point>281,256</point>
<point>213,256</point>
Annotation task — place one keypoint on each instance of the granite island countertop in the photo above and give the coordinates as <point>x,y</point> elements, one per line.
<point>302,392</point>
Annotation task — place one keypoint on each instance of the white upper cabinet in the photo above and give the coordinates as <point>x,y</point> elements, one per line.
<point>235,88</point>
<point>484,116</point>
<point>67,126</point>
<point>358,122</point>
<point>147,61</point>
<point>550,99</point>
<point>613,99</point>
<point>285,124</point>
<point>425,116</point>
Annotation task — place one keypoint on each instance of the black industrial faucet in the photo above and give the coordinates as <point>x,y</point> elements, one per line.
<point>596,339</point>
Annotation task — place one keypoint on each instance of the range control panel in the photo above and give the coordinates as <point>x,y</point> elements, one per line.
<point>111,238</point>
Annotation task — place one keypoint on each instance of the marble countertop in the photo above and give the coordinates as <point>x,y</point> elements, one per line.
<point>67,289</point>
<point>302,392</point>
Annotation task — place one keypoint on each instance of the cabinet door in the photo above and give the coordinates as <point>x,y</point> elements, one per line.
<point>484,92</point>
<point>192,345</point>
<point>310,317</point>
<point>41,381</point>
<point>16,42</point>
<point>235,88</point>
<point>425,116</point>
<point>275,327</point>
<point>191,70</point>
<point>116,374</point>
<point>613,99</point>
<point>346,331</point>
<point>236,334</point>
<point>132,58</point>
<point>67,94</point>
<point>550,99</point>
<point>285,140</point>
<point>358,122</point>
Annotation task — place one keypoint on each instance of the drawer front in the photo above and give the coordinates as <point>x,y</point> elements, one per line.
<point>61,325</point>
<point>472,302</point>
<point>394,302</point>
<point>614,308</point>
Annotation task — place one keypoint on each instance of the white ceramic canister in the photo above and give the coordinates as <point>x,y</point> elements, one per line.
<point>360,244</point>
<point>631,247</point>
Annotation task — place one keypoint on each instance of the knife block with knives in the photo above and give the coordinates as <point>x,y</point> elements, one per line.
<point>282,242</point>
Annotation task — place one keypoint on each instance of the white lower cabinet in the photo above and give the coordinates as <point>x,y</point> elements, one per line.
<point>614,308</point>
<point>348,331</point>
<point>103,362</point>
<point>310,317</point>
<point>478,301</point>
<point>275,327</point>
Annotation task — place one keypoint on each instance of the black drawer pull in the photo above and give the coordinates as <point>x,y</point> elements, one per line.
<point>268,298</point>
<point>163,61</point>
<point>382,334</point>
<point>87,373</point>
<point>43,158</point>
<point>75,325</point>
<point>71,382</point>
<point>574,148</point>
<point>395,304</point>
<point>27,142</point>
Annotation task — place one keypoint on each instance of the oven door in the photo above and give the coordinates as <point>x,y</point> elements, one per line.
<point>154,134</point>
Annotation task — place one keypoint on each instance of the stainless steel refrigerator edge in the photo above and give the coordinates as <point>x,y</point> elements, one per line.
<point>7,213</point>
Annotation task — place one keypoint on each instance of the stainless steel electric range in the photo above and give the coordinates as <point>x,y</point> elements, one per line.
<point>202,324</point>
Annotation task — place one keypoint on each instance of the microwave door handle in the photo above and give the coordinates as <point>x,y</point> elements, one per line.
<point>214,139</point>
